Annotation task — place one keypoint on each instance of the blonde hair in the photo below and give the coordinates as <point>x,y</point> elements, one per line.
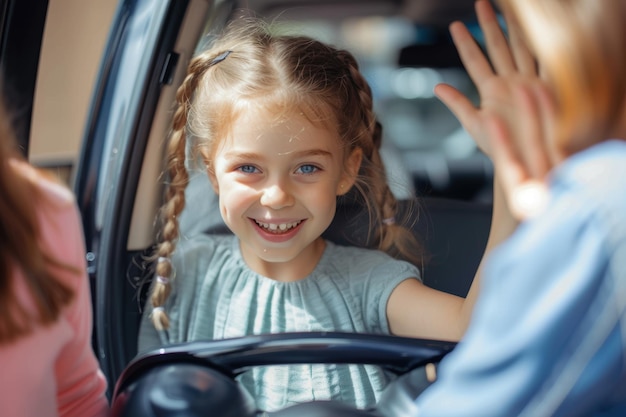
<point>248,63</point>
<point>20,249</point>
<point>580,44</point>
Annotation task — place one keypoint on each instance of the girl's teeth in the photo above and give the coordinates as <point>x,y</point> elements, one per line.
<point>273,227</point>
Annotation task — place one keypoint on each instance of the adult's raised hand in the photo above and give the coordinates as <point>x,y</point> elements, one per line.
<point>507,62</point>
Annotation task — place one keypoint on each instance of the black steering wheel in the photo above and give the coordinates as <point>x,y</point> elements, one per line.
<point>198,378</point>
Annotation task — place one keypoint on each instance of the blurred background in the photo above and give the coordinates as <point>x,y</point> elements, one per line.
<point>74,37</point>
<point>403,49</point>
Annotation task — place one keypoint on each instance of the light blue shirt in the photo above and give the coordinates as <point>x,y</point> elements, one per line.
<point>548,333</point>
<point>215,295</point>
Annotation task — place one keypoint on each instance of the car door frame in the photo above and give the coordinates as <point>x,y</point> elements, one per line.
<point>136,62</point>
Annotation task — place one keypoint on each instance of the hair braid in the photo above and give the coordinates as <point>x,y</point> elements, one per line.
<point>391,235</point>
<point>175,190</point>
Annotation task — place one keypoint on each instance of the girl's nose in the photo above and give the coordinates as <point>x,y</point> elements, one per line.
<point>276,196</point>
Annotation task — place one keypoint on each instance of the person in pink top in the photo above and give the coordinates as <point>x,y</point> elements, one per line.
<point>47,365</point>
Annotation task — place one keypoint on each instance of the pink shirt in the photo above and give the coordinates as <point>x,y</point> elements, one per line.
<point>53,371</point>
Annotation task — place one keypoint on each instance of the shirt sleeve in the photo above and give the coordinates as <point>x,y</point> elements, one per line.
<point>381,275</point>
<point>533,346</point>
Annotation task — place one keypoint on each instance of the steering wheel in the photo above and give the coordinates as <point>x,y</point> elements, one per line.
<point>198,378</point>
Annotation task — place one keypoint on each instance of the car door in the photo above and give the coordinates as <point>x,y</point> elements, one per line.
<point>147,40</point>
<point>22,27</point>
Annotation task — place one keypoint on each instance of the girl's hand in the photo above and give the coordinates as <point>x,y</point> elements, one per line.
<point>509,65</point>
<point>523,152</point>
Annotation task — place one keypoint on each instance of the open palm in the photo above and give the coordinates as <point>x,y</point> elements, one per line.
<point>514,122</point>
<point>509,63</point>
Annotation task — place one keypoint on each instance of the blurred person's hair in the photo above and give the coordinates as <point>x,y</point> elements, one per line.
<point>20,247</point>
<point>581,48</point>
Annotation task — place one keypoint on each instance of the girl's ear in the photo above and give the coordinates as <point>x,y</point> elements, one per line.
<point>350,172</point>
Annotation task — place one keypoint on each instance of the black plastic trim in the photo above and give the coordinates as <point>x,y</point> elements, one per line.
<point>106,242</point>
<point>22,31</point>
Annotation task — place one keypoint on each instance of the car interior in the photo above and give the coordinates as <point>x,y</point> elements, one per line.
<point>442,180</point>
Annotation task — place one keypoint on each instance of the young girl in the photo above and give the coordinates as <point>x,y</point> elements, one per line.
<point>48,366</point>
<point>286,127</point>
<point>547,335</point>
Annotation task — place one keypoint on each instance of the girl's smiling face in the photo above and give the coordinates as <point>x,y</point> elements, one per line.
<point>277,181</point>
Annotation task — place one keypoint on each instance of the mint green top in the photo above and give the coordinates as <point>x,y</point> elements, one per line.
<point>215,295</point>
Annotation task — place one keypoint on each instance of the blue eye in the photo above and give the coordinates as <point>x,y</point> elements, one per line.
<point>248,169</point>
<point>307,169</point>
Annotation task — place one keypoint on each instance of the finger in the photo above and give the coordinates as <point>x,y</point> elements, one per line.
<point>524,59</point>
<point>547,108</point>
<point>497,44</point>
<point>531,142</point>
<point>508,167</point>
<point>462,108</point>
<point>473,58</point>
